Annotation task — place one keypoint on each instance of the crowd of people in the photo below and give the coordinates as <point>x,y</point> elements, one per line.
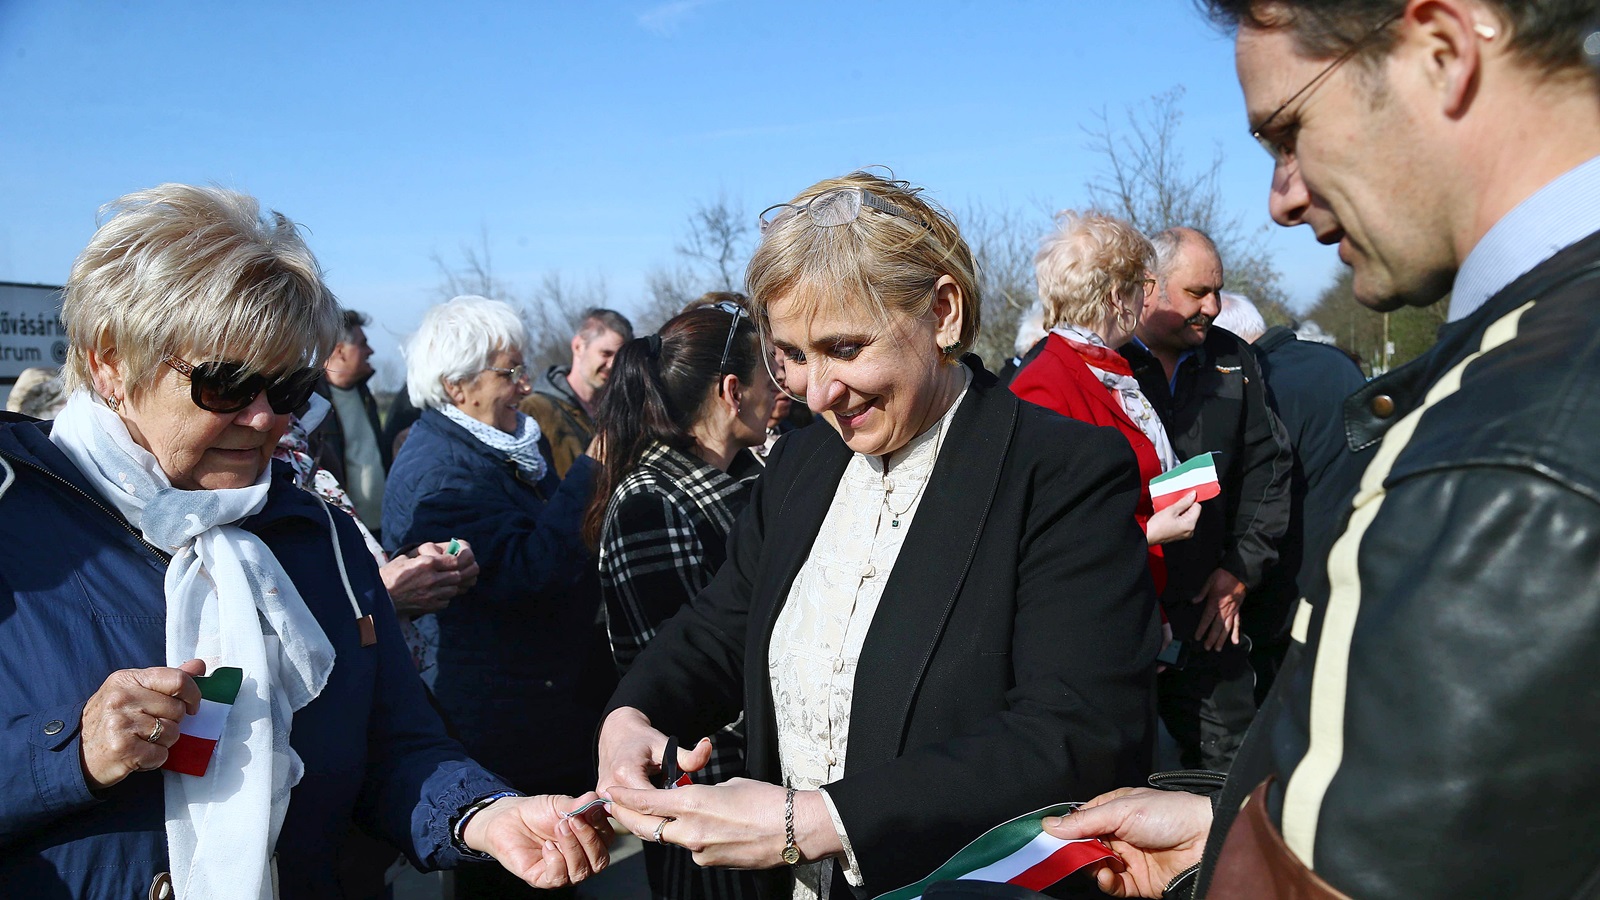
<point>813,659</point>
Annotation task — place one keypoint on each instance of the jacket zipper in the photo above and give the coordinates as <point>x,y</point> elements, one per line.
<point>165,558</point>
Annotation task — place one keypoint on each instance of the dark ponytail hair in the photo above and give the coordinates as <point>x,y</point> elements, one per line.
<point>657,391</point>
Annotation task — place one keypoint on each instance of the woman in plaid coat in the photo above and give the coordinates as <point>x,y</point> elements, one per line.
<point>681,408</point>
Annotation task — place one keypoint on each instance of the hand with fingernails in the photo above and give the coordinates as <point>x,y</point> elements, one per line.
<point>1155,834</point>
<point>630,752</point>
<point>130,723</point>
<point>534,839</point>
<point>426,580</point>
<point>740,824</point>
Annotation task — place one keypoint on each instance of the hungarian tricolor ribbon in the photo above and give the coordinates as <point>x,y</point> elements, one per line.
<point>198,734</point>
<point>1198,474</point>
<point>1017,852</point>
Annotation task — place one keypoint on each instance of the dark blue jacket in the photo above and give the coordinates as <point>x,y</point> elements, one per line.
<point>81,596</point>
<point>513,649</point>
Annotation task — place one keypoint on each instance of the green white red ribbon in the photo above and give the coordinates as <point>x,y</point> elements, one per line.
<point>199,733</point>
<point>1017,852</point>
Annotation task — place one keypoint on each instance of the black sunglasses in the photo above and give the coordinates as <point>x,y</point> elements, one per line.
<point>738,312</point>
<point>223,387</point>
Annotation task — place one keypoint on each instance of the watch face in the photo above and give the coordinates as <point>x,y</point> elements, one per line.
<point>791,854</point>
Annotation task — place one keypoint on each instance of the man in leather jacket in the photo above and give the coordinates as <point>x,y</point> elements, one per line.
<point>1433,731</point>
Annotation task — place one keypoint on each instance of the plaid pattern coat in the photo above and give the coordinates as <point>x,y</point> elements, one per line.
<point>665,535</point>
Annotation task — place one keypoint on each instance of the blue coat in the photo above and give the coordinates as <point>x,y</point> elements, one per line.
<point>513,650</point>
<point>81,596</point>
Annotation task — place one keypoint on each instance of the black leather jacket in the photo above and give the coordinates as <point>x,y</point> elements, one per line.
<point>1436,732</point>
<point>1220,404</point>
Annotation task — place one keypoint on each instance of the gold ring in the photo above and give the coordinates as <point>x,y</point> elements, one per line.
<point>662,824</point>
<point>155,733</point>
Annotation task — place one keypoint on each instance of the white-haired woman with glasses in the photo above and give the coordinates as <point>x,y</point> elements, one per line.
<point>512,649</point>
<point>173,601</point>
<point>1093,275</point>
<point>935,613</point>
<point>679,412</point>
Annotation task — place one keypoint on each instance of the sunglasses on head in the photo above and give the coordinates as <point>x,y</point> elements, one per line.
<point>224,387</point>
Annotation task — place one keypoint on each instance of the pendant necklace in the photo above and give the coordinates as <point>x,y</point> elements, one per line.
<point>888,485</point>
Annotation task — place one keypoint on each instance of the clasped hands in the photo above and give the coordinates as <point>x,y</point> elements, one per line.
<point>738,824</point>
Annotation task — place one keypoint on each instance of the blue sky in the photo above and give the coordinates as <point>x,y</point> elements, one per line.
<point>577,135</point>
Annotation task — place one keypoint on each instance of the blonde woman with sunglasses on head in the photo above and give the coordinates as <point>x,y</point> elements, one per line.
<point>935,611</point>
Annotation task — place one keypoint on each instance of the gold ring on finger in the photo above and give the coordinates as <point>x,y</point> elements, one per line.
<point>155,733</point>
<point>663,824</point>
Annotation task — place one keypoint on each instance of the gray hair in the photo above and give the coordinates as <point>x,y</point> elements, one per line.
<point>456,340</point>
<point>195,272</point>
<point>1240,316</point>
<point>1169,242</point>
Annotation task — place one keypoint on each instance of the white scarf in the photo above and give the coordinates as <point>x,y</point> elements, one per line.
<point>230,603</point>
<point>521,448</point>
<point>1129,395</point>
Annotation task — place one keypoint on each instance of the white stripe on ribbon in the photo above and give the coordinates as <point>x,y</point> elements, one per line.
<point>1303,795</point>
<point>208,722</point>
<point>1021,859</point>
<point>1186,481</point>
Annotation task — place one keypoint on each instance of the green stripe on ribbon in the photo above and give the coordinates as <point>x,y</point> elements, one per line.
<point>989,848</point>
<point>1198,462</point>
<point>221,686</point>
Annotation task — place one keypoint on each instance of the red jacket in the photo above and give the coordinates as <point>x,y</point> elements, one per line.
<point>1058,379</point>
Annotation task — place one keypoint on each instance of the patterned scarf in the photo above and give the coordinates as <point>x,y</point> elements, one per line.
<point>1115,373</point>
<point>521,448</point>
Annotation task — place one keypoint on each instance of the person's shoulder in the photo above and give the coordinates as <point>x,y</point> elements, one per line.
<point>1221,344</point>
<point>436,450</point>
<point>539,404</point>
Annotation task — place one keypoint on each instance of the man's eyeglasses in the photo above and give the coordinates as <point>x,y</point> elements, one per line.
<point>739,313</point>
<point>223,387</point>
<point>833,208</point>
<point>1280,146</point>
<point>515,374</point>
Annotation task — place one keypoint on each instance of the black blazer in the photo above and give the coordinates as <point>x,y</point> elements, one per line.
<point>1010,663</point>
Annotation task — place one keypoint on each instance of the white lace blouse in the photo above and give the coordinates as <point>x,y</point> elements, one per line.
<point>816,642</point>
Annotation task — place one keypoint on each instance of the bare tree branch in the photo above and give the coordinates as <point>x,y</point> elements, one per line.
<point>719,241</point>
<point>1146,179</point>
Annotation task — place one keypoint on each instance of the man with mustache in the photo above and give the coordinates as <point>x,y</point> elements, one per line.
<point>1207,387</point>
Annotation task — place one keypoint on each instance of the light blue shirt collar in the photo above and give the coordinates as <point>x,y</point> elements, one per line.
<point>1558,215</point>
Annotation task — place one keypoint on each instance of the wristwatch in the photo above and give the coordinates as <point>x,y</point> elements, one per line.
<point>791,853</point>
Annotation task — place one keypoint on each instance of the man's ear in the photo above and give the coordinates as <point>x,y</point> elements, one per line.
<point>1448,37</point>
<point>578,343</point>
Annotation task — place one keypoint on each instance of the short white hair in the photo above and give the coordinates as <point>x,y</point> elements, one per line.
<point>457,340</point>
<point>1240,316</point>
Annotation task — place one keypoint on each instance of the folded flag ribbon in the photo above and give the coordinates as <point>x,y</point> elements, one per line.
<point>1198,474</point>
<point>1017,852</point>
<point>198,734</point>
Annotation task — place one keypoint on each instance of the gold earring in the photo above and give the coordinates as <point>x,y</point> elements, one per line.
<point>114,402</point>
<point>950,349</point>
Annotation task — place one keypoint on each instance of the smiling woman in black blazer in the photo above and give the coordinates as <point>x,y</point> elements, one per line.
<point>935,613</point>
